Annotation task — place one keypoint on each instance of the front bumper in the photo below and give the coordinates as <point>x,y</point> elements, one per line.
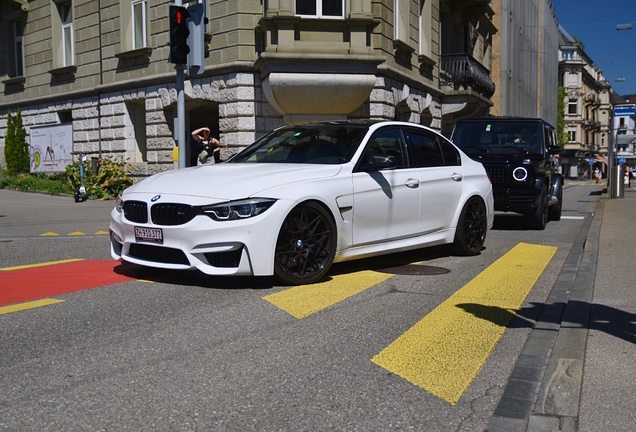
<point>242,247</point>
<point>516,199</point>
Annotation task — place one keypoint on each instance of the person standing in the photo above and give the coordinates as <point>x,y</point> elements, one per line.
<point>208,145</point>
<point>597,175</point>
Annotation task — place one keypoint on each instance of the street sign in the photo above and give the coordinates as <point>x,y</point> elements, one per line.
<point>591,161</point>
<point>621,161</point>
<point>624,111</point>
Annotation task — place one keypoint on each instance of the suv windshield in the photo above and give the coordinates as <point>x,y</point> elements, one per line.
<point>503,137</point>
<point>313,144</point>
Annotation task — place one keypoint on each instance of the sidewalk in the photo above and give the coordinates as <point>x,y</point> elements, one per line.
<point>577,370</point>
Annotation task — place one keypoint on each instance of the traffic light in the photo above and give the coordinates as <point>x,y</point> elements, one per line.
<point>196,26</point>
<point>179,33</point>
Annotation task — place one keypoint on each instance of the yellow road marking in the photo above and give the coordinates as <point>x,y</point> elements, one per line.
<point>42,264</point>
<point>49,234</point>
<point>101,233</point>
<point>302,301</point>
<point>28,305</point>
<point>76,233</point>
<point>445,350</point>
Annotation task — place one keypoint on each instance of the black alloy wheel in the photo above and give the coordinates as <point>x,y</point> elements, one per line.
<point>538,218</point>
<point>554,213</point>
<point>306,245</point>
<point>471,228</point>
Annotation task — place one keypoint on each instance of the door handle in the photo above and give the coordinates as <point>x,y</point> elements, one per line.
<point>457,177</point>
<point>412,183</point>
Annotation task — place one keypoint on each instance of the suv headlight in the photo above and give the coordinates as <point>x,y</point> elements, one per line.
<point>241,209</point>
<point>520,174</point>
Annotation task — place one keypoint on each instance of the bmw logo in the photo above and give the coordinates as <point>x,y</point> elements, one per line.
<point>155,198</point>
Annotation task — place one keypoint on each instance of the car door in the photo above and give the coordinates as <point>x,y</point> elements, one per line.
<point>386,202</point>
<point>439,170</point>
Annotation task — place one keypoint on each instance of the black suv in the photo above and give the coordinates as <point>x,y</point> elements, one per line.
<point>519,156</point>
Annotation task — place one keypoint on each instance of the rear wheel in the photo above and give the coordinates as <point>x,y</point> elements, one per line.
<point>538,218</point>
<point>306,245</point>
<point>471,228</point>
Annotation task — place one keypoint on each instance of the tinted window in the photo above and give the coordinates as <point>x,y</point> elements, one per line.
<point>425,149</point>
<point>387,142</point>
<point>451,155</point>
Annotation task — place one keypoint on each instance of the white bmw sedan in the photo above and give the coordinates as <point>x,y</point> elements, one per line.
<point>304,197</point>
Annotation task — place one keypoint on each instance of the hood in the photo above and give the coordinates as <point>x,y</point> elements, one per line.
<point>231,180</point>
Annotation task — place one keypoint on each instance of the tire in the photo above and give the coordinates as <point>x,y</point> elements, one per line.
<point>554,213</point>
<point>471,228</point>
<point>538,218</point>
<point>306,245</point>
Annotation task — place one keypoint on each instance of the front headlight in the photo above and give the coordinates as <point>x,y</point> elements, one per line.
<point>119,203</point>
<point>241,209</point>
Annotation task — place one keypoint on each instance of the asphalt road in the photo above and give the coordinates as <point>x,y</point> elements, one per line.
<point>180,351</point>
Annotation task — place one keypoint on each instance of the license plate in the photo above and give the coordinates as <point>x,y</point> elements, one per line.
<point>152,235</point>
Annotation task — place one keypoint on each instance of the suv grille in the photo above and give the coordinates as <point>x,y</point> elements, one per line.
<point>160,254</point>
<point>497,174</point>
<point>172,214</point>
<point>136,211</point>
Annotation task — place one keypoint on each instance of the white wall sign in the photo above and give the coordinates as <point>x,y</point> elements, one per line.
<point>51,148</point>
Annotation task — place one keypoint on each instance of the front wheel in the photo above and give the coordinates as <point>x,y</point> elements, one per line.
<point>554,213</point>
<point>306,245</point>
<point>471,228</point>
<point>538,218</point>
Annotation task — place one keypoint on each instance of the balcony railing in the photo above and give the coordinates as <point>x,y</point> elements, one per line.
<point>468,72</point>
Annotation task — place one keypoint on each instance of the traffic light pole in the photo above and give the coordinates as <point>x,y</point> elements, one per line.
<point>180,85</point>
<point>181,138</point>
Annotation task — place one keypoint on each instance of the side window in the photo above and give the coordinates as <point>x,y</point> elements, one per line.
<point>387,142</point>
<point>426,151</point>
<point>450,153</point>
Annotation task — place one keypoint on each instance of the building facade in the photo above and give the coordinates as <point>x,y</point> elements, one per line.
<point>525,59</point>
<point>588,109</point>
<point>102,66</point>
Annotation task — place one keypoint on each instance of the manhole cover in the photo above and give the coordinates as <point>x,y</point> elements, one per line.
<point>414,269</point>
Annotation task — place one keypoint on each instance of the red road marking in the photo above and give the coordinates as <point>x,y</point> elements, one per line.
<point>17,286</point>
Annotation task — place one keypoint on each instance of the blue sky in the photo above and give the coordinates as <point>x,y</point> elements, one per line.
<point>594,23</point>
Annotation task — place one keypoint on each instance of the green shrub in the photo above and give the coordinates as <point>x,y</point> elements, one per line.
<point>108,182</point>
<point>16,149</point>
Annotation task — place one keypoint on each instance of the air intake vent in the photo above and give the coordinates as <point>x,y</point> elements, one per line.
<point>172,214</point>
<point>160,254</point>
<point>136,211</point>
<point>229,259</point>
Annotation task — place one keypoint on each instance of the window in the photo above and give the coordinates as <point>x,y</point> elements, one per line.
<point>66,17</point>
<point>426,152</point>
<point>573,80</point>
<point>572,136</point>
<point>568,55</point>
<point>426,26</point>
<point>17,49</point>
<point>573,106</point>
<point>320,8</point>
<point>386,143</point>
<point>139,8</point>
<point>401,16</point>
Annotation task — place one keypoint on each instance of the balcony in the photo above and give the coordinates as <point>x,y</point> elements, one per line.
<point>467,72</point>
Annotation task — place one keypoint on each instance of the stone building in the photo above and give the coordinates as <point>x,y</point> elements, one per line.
<point>102,66</point>
<point>588,108</point>
<point>525,59</point>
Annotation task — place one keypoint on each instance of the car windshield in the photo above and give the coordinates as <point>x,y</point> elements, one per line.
<point>311,144</point>
<point>503,137</point>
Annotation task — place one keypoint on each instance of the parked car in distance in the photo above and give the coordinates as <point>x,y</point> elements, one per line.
<point>304,197</point>
<point>519,155</point>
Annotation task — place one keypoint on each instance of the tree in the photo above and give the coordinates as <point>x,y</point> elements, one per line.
<point>9,146</point>
<point>21,144</point>
<point>16,149</point>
